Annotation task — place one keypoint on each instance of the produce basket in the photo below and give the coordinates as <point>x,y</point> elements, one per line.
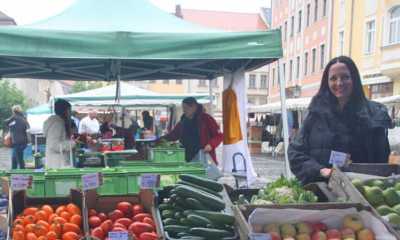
<point>92,159</point>
<point>125,207</point>
<point>321,217</point>
<point>377,169</point>
<point>162,155</point>
<point>38,181</point>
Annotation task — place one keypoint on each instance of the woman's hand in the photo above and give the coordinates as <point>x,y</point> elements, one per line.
<point>207,148</point>
<point>325,172</point>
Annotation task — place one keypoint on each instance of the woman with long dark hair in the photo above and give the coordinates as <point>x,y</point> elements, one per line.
<point>58,132</point>
<point>341,122</point>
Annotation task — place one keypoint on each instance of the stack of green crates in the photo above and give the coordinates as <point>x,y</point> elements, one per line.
<point>38,180</point>
<point>168,155</point>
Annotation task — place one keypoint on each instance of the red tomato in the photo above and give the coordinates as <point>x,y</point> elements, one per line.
<point>102,216</point>
<point>125,207</point>
<point>118,229</point>
<point>148,236</point>
<point>92,212</point>
<point>98,233</point>
<point>137,208</point>
<point>148,220</point>
<point>138,227</point>
<point>106,225</point>
<point>115,215</point>
<point>124,221</point>
<point>94,221</point>
<point>120,225</point>
<point>139,217</point>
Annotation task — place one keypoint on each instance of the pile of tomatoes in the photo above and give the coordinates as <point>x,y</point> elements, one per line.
<point>126,217</point>
<point>48,223</point>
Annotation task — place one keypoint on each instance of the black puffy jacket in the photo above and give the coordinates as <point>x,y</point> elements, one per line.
<point>362,133</point>
<point>18,125</point>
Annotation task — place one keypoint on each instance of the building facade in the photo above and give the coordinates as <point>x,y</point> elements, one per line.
<point>305,28</point>
<point>369,32</point>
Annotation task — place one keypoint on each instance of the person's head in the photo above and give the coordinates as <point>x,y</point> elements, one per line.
<point>190,106</point>
<point>145,114</point>
<point>62,108</point>
<point>16,109</point>
<point>341,81</point>
<point>92,114</point>
<point>74,113</point>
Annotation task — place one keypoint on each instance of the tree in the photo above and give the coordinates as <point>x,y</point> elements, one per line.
<point>85,85</point>
<point>9,96</point>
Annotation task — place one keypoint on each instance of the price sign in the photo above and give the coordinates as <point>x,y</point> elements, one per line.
<point>20,182</point>
<point>260,236</point>
<point>118,235</point>
<point>338,159</point>
<point>149,181</point>
<point>91,181</point>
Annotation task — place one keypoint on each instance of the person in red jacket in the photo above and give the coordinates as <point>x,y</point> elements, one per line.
<point>196,130</point>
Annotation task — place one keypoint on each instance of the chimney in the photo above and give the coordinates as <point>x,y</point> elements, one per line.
<point>178,11</point>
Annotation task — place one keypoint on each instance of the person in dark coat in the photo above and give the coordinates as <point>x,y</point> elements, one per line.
<point>18,126</point>
<point>196,130</point>
<point>340,119</point>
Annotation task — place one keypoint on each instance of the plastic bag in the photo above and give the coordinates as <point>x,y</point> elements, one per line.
<point>212,170</point>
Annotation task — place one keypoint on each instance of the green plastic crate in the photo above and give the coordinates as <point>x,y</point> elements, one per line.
<point>38,187</point>
<point>161,155</point>
<point>114,183</point>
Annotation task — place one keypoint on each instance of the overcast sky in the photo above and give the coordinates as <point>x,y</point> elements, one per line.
<point>28,11</point>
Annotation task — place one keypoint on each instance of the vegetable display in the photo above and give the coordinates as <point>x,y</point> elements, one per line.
<point>281,191</point>
<point>194,209</point>
<point>166,144</point>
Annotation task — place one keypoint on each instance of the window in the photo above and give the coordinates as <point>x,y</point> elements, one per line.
<point>292,26</point>
<point>314,60</point>
<point>369,37</point>
<point>315,10</point>
<point>284,73</point>
<point>298,67</point>
<point>305,64</point>
<point>299,26</point>
<point>394,26</point>
<point>273,77</point>
<point>324,8</point>
<point>165,81</point>
<point>341,43</point>
<point>252,81</point>
<point>322,56</point>
<point>290,70</point>
<point>308,15</point>
<point>264,81</point>
<point>202,83</point>
<point>285,31</point>
<point>179,81</point>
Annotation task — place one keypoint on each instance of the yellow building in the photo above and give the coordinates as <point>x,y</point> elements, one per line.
<point>369,32</point>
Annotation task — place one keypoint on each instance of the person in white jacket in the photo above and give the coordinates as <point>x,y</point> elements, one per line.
<point>58,133</point>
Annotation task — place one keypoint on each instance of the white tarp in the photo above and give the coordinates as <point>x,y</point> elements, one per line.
<point>291,104</point>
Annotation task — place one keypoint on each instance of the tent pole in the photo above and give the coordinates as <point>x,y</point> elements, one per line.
<point>210,93</point>
<point>284,115</point>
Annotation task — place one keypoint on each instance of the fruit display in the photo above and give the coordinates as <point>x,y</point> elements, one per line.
<point>352,228</point>
<point>48,222</point>
<point>195,209</point>
<point>126,217</point>
<point>384,195</point>
<point>281,191</point>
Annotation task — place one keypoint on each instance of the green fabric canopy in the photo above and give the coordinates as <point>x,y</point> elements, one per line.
<point>128,40</point>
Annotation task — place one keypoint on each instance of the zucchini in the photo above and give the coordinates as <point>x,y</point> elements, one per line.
<point>185,222</point>
<point>198,221</point>
<point>178,215</point>
<point>217,218</point>
<point>181,182</point>
<point>189,237</point>
<point>210,233</point>
<point>167,214</point>
<point>207,199</point>
<point>203,182</point>
<point>164,206</point>
<point>195,204</point>
<point>187,212</point>
<point>169,221</point>
<point>175,229</point>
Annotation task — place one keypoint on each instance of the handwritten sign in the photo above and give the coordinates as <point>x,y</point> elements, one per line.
<point>20,182</point>
<point>149,181</point>
<point>260,236</point>
<point>338,159</point>
<point>118,235</point>
<point>91,181</point>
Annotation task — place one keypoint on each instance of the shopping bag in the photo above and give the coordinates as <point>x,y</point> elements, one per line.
<point>205,159</point>
<point>7,142</point>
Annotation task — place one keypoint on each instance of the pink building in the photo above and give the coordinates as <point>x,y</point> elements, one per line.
<point>305,41</point>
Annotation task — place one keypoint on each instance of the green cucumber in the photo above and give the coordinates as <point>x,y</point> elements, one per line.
<point>178,215</point>
<point>181,182</point>
<point>164,206</point>
<point>187,212</point>
<point>189,237</point>
<point>169,221</point>
<point>207,199</point>
<point>203,182</point>
<point>184,222</point>
<point>195,204</point>
<point>175,229</point>
<point>210,233</point>
<point>217,218</point>
<point>167,214</point>
<point>198,221</point>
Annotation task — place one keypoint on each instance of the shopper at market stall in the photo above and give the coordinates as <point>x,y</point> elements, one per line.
<point>58,132</point>
<point>17,126</point>
<point>196,130</point>
<point>341,125</point>
<point>89,125</point>
<point>148,121</point>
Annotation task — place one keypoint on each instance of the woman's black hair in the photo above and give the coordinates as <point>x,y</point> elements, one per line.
<point>190,101</point>
<point>357,96</point>
<point>60,108</point>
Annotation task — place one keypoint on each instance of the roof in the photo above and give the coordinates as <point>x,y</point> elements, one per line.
<point>229,21</point>
<point>6,20</point>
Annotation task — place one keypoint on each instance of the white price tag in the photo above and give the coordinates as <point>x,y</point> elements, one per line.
<point>260,236</point>
<point>338,159</point>
<point>91,181</point>
<point>149,181</point>
<point>118,236</point>
<point>20,182</point>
